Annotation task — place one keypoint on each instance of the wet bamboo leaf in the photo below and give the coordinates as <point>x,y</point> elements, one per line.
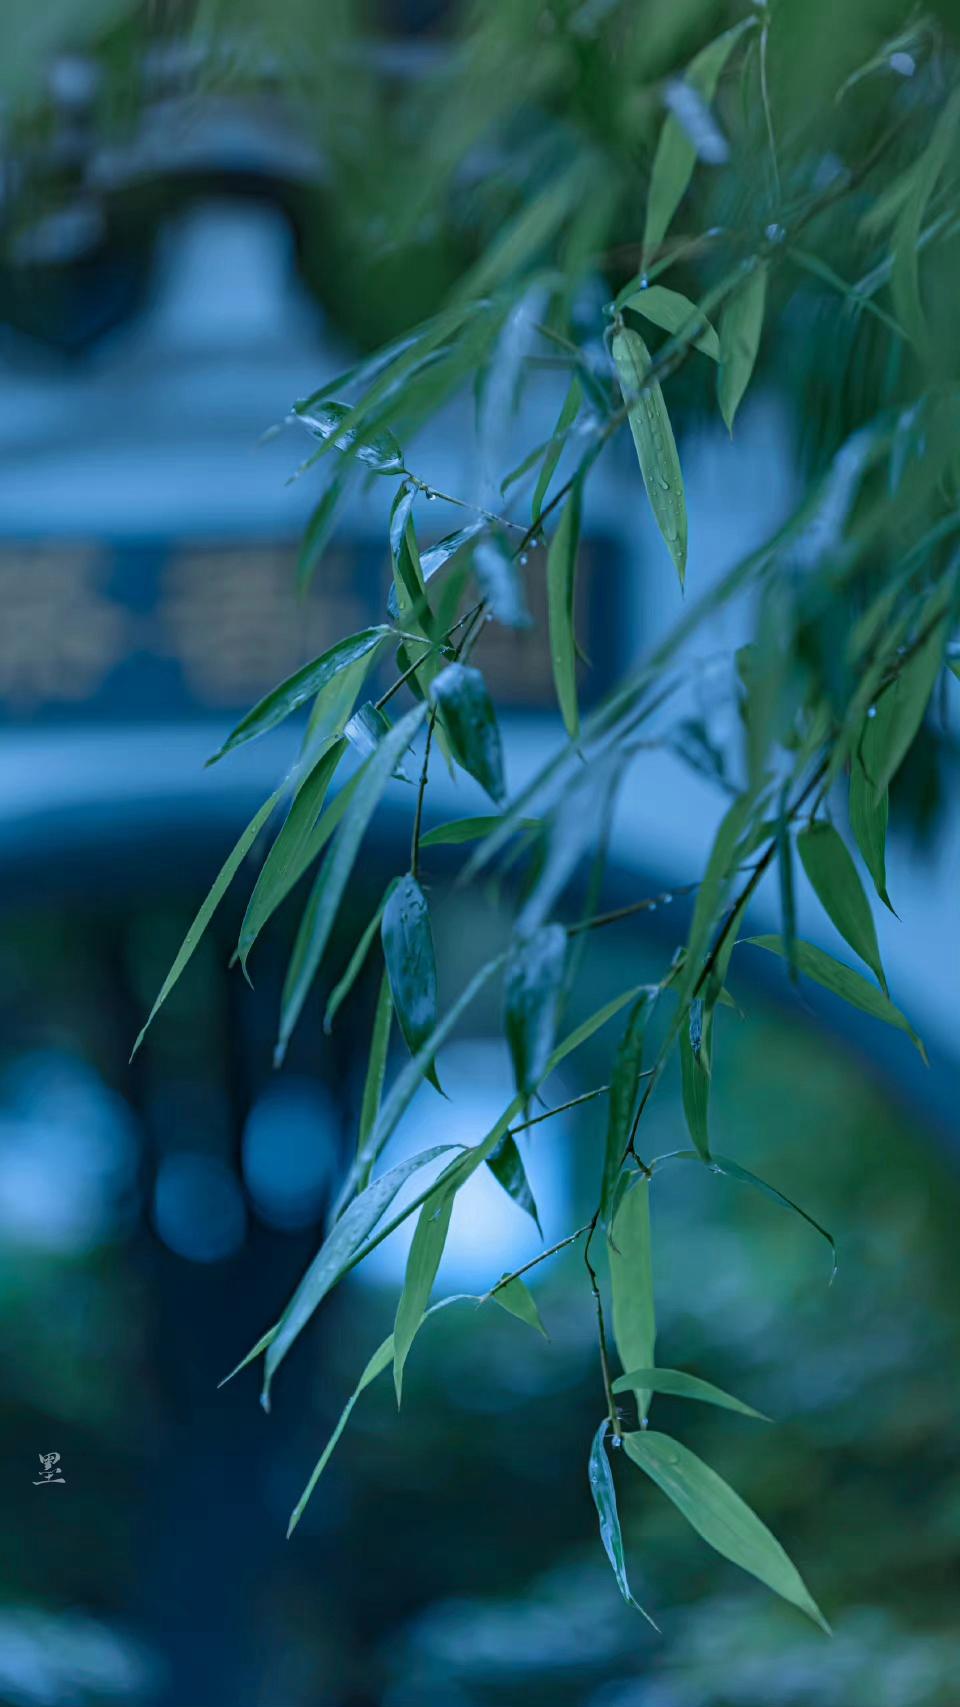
<point>436,558</point>
<point>303,685</point>
<point>470,722</point>
<point>631,1280</point>
<point>624,1088</point>
<point>554,451</point>
<point>317,839</point>
<point>333,707</point>
<point>851,986</point>
<point>837,885</point>
<point>332,878</point>
<point>741,323</point>
<point>675,314</point>
<point>516,1298</point>
<point>410,597</point>
<point>724,1520</point>
<point>655,444</point>
<point>214,896</point>
<point>682,1386</point>
<point>354,965</point>
<point>324,418</point>
<point>284,863</point>
<point>423,1261</point>
<point>317,534</point>
<point>461,830</point>
<point>411,965</point>
<point>534,979</point>
<point>365,731</point>
<point>561,595</point>
<point>869,812</point>
<point>676,154</point>
<point>695,1076</point>
<point>335,1254</point>
<point>506,1166</point>
<point>604,1494</point>
<point>500,583</point>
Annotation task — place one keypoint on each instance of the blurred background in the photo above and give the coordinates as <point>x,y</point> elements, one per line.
<point>183,255</point>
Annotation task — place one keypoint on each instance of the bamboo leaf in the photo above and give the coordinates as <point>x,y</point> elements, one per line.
<point>284,863</point>
<point>328,821</point>
<point>499,582</point>
<point>900,708</point>
<point>376,1070</point>
<point>624,1087</point>
<point>214,896</point>
<point>905,277</point>
<point>675,314</point>
<point>435,559</point>
<point>317,534</point>
<point>303,685</point>
<point>836,883</point>
<point>655,444</point>
<point>851,986</point>
<point>460,693</point>
<point>506,1165</point>
<point>695,1076</point>
<point>869,812</point>
<point>561,594</point>
<point>334,874</point>
<point>567,416</point>
<point>741,323</point>
<point>423,1261</point>
<point>324,419</point>
<point>717,1513</point>
<point>534,978</point>
<point>733,1170</point>
<point>682,1386</point>
<point>411,965</point>
<point>354,965</point>
<point>461,830</point>
<point>604,1494</point>
<point>515,1297</point>
<point>631,1279</point>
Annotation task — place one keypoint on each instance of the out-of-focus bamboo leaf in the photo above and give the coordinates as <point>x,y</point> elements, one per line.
<point>460,693</point>
<point>741,323</point>
<point>682,1386</point>
<point>851,986</point>
<point>676,154</point>
<point>332,878</point>
<point>674,313</point>
<point>869,812</point>
<point>506,1166</point>
<point>317,533</point>
<point>604,1493</point>
<point>561,594</point>
<point>516,1298</point>
<point>303,685</point>
<point>712,1508</point>
<point>423,1260</point>
<point>568,414</point>
<point>334,1256</point>
<point>534,978</point>
<point>695,1075</point>
<point>624,1087</point>
<point>655,444</point>
<point>788,905</point>
<point>284,862</point>
<point>835,881</point>
<point>354,965</point>
<point>325,418</point>
<point>411,965</point>
<point>905,277</point>
<point>461,830</point>
<point>713,889</point>
<point>631,1280</point>
<point>900,708</point>
<point>217,890</point>
<point>499,582</point>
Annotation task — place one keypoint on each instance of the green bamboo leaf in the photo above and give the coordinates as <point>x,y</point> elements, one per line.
<point>561,594</point>
<point>675,314</point>
<point>868,821</point>
<point>333,705</point>
<point>565,420</point>
<point>376,1070</point>
<point>328,821</point>
<point>788,907</point>
<point>325,419</point>
<point>334,874</point>
<point>437,558</point>
<point>900,708</point>
<point>303,685</point>
<point>215,894</point>
<point>713,891</point>
<point>732,1170</point>
<point>905,277</point>
<point>411,965</point>
<point>624,1087</point>
<point>741,323</point>
<point>460,693</point>
<point>695,1076</point>
<point>500,583</point>
<point>354,966</point>
<point>461,830</point>
<point>515,1297</point>
<point>506,1166</point>
<point>534,979</point>
<point>631,1280</point>
<point>317,533</point>
<point>365,731</point>
<point>335,1255</point>
<point>655,444</point>
<point>423,1261</point>
<point>604,1494</point>
<point>851,986</point>
<point>836,883</point>
<point>284,863</point>
<point>676,154</point>
<point>724,1520</point>
<point>682,1386</point>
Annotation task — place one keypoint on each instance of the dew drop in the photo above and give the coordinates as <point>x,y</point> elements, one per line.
<point>872,712</point>
<point>666,899</point>
<point>653,906</point>
<point>523,559</point>
<point>775,233</point>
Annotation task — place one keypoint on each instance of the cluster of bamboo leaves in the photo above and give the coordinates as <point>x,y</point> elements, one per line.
<point>854,602</point>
